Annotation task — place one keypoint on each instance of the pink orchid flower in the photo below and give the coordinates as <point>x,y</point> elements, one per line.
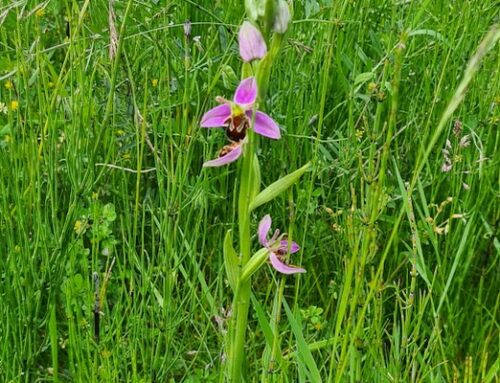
<point>252,44</point>
<point>236,117</point>
<point>278,247</point>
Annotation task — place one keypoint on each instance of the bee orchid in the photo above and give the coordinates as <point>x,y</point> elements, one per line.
<point>236,117</point>
<point>278,246</point>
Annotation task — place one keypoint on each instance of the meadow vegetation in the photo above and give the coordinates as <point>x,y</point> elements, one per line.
<point>103,197</point>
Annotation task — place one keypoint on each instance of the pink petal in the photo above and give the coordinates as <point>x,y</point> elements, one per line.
<point>263,230</point>
<point>232,156</point>
<point>265,125</point>
<point>284,246</point>
<point>283,268</point>
<point>246,93</point>
<point>216,117</point>
<point>252,44</point>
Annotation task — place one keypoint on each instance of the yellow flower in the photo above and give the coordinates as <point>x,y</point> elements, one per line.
<point>9,85</point>
<point>14,105</point>
<point>80,227</point>
<point>372,87</point>
<point>154,82</point>
<point>40,12</point>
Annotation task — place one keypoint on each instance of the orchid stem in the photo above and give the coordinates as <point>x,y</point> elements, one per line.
<point>242,295</point>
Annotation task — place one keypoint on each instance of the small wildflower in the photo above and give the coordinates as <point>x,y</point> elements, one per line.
<point>95,196</point>
<point>278,247</point>
<point>3,108</point>
<point>80,227</point>
<point>446,167</point>
<point>252,44</point>
<point>14,105</point>
<point>281,18</point>
<point>465,186</point>
<point>40,12</point>
<point>465,141</point>
<point>359,134</point>
<point>457,128</point>
<point>9,85</point>
<point>197,43</point>
<point>187,29</point>
<point>336,227</point>
<point>154,82</point>
<point>372,87</point>
<point>380,96</point>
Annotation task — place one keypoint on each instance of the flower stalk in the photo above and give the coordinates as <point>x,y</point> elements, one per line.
<point>241,119</point>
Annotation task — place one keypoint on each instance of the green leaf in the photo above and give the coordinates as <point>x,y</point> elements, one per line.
<point>276,188</point>
<point>303,352</point>
<point>109,212</point>
<point>363,77</point>
<point>229,78</point>
<point>231,261</point>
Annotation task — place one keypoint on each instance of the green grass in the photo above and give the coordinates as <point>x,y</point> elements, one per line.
<point>100,172</point>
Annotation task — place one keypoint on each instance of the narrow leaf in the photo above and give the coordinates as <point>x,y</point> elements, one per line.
<point>363,77</point>
<point>303,351</point>
<point>264,325</point>
<point>231,261</point>
<point>278,187</point>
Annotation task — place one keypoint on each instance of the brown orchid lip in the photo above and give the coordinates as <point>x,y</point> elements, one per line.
<point>237,127</point>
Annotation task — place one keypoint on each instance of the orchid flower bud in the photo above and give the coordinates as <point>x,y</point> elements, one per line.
<point>281,17</point>
<point>252,44</point>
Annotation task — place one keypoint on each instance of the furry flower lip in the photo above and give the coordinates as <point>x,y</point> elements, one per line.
<point>236,116</point>
<point>278,246</point>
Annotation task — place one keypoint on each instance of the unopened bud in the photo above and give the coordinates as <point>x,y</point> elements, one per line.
<point>281,17</point>
<point>187,29</point>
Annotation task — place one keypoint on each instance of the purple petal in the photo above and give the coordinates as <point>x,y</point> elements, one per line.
<point>283,268</point>
<point>284,246</point>
<point>233,155</point>
<point>216,117</point>
<point>265,125</point>
<point>252,44</point>
<point>246,93</point>
<point>264,227</point>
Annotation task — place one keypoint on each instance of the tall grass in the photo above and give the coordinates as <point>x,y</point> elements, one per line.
<point>100,172</point>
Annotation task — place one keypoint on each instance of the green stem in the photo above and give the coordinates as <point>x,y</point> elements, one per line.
<point>241,301</point>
